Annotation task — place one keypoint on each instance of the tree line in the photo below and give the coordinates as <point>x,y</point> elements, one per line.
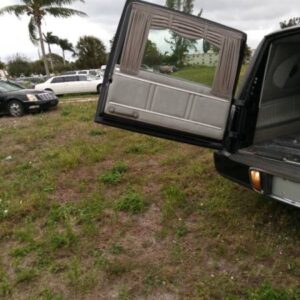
<point>90,51</point>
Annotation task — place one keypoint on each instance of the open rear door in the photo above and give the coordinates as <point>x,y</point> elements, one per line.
<point>164,105</point>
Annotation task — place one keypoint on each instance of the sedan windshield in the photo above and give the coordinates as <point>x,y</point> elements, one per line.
<point>9,87</point>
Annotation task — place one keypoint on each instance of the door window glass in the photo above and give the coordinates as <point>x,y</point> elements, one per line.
<point>190,59</point>
<point>57,80</point>
<point>82,78</point>
<point>71,78</point>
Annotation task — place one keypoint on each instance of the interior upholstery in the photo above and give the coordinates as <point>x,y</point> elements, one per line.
<point>168,102</point>
<point>278,117</point>
<point>279,111</point>
<point>280,99</point>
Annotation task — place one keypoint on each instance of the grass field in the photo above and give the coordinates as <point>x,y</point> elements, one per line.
<point>92,212</point>
<point>202,74</point>
<point>74,97</point>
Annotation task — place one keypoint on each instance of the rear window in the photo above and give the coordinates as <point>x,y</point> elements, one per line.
<point>71,78</point>
<point>57,80</point>
<point>82,78</point>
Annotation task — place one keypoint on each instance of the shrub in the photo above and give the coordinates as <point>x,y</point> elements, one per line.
<point>131,202</point>
<point>115,174</point>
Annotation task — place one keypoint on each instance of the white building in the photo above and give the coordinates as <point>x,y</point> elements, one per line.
<point>205,59</point>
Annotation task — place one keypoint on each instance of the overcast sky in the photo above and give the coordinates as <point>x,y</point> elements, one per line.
<point>256,17</point>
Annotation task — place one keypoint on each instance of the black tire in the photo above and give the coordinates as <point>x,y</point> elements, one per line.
<point>15,108</point>
<point>99,88</point>
<point>49,90</point>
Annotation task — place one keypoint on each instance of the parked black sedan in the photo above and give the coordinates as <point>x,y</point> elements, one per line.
<point>16,100</point>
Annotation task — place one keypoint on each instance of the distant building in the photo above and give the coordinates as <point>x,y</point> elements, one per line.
<point>204,59</point>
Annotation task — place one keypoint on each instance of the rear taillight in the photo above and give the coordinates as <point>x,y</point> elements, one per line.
<point>256,180</point>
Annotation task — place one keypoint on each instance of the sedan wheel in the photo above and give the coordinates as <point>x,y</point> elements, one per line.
<point>16,108</point>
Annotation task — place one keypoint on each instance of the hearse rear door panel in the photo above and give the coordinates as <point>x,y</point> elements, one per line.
<point>164,105</point>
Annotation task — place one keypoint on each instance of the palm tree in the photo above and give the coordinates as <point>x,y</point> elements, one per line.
<point>65,45</point>
<point>50,39</point>
<point>37,10</point>
<point>2,65</point>
<point>91,52</point>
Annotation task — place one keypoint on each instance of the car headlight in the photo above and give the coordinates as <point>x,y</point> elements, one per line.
<point>31,97</point>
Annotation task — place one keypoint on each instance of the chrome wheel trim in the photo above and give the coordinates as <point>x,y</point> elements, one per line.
<point>15,109</point>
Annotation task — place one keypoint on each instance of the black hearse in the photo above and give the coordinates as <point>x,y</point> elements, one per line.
<point>256,132</point>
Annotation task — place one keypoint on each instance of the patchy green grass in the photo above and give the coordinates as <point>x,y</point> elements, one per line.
<point>81,96</point>
<point>267,292</point>
<point>201,74</point>
<point>131,202</point>
<point>92,212</point>
<point>115,174</point>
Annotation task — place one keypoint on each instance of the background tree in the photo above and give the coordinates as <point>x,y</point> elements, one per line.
<point>206,46</point>
<point>289,23</point>
<point>19,65</point>
<point>37,10</point>
<point>57,60</point>
<point>91,52</point>
<point>2,65</point>
<point>152,56</point>
<point>50,39</point>
<point>37,67</point>
<point>65,45</point>
<point>180,45</point>
<point>111,42</point>
<point>247,54</point>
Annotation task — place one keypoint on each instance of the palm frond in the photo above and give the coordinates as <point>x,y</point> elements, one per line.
<point>63,12</point>
<point>17,10</point>
<point>27,2</point>
<point>65,45</point>
<point>59,2</point>
<point>50,38</point>
<point>32,28</point>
